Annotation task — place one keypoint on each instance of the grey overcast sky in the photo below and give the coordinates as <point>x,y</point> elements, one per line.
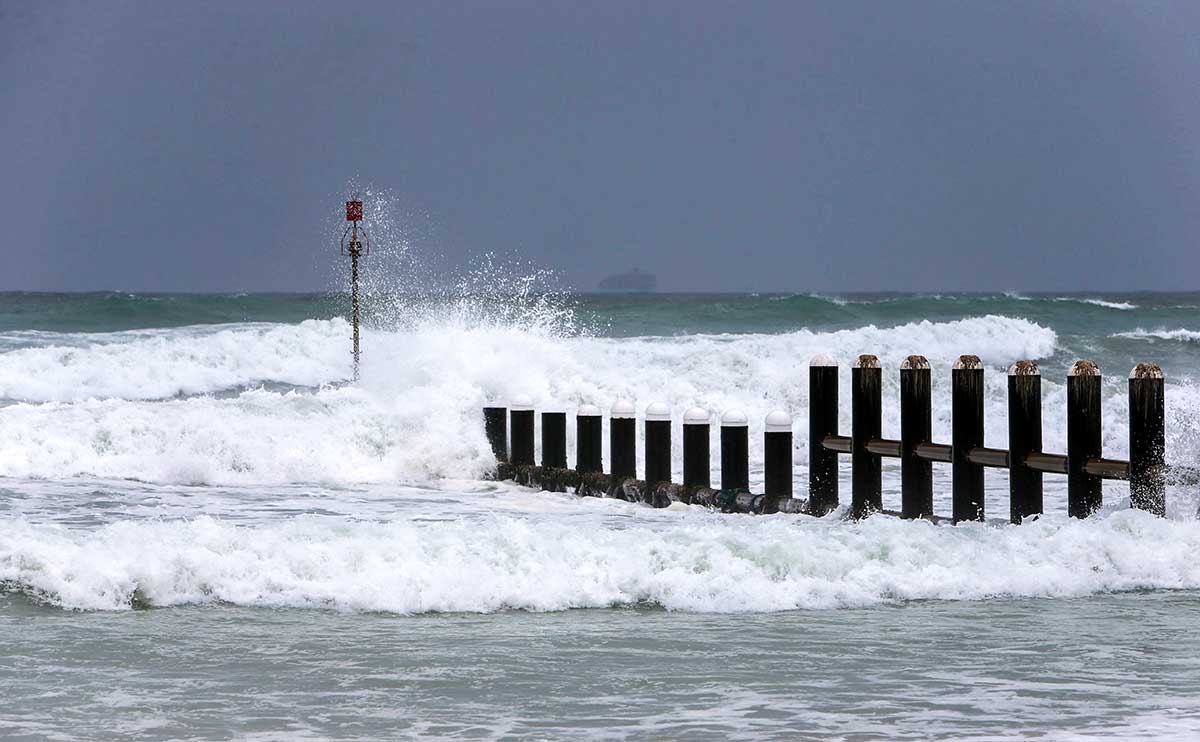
<point>822,146</point>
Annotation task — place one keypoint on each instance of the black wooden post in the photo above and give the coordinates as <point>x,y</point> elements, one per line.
<point>554,440</point>
<point>1084,491</point>
<point>588,432</point>
<point>735,454</point>
<point>658,444</point>
<point>1024,438</point>
<point>777,455</point>
<point>696,462</point>
<point>866,410</point>
<point>1147,439</point>
<point>622,432</point>
<point>495,424</point>
<point>916,427</point>
<point>822,421</point>
<point>966,403</point>
<point>520,424</point>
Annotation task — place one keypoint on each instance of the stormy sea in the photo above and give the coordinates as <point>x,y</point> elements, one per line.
<point>208,532</point>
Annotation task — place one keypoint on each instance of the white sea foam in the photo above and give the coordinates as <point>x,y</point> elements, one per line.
<point>1181,335</point>
<point>109,409</point>
<point>703,562</point>
<point>1099,302</point>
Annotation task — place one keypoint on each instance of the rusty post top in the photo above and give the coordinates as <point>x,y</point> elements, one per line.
<point>968,363</point>
<point>1024,368</point>
<point>1084,368</point>
<point>1146,371</point>
<point>915,363</point>
<point>820,360</point>
<point>867,360</point>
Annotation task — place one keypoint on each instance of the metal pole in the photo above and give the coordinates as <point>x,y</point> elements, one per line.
<point>354,254</point>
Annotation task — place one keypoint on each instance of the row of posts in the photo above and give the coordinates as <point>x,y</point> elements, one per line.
<point>697,465</point>
<point>1024,459</point>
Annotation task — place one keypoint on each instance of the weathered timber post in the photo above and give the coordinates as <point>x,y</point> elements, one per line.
<point>866,421</point>
<point>658,444</point>
<point>520,423</point>
<point>822,421</point>
<point>916,427</point>
<point>1024,438</point>
<point>495,424</point>
<point>588,431</point>
<point>1147,439</point>
<point>1085,491</point>
<point>735,451</point>
<point>622,443</point>
<point>777,455</point>
<point>966,404</point>
<point>696,462</point>
<point>554,440</point>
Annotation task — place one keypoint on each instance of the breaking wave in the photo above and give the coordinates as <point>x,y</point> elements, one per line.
<point>703,562</point>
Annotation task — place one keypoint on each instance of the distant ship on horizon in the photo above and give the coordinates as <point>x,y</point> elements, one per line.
<point>634,280</point>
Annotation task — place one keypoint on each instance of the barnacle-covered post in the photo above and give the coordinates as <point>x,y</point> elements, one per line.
<point>822,422</point>
<point>916,427</point>
<point>735,451</point>
<point>658,444</point>
<point>588,427</point>
<point>696,462</point>
<point>1084,490</point>
<point>866,421</point>
<point>520,424</point>
<point>622,434</point>
<point>777,455</point>
<point>1147,439</point>
<point>1024,438</point>
<point>495,424</point>
<point>554,440</point>
<point>966,405</point>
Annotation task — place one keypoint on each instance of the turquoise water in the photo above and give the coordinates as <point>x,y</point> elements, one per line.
<point>206,533</point>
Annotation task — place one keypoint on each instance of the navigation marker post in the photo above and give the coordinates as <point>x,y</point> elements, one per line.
<point>358,246</point>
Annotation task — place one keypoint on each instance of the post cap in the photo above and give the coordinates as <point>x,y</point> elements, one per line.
<point>820,360</point>
<point>521,402</point>
<point>1024,368</point>
<point>734,419</point>
<point>866,360</point>
<point>622,409</point>
<point>658,411</point>
<point>778,421</point>
<point>1146,371</point>
<point>696,416</point>
<point>915,363</point>
<point>1084,368</point>
<point>968,363</point>
<point>587,410</point>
